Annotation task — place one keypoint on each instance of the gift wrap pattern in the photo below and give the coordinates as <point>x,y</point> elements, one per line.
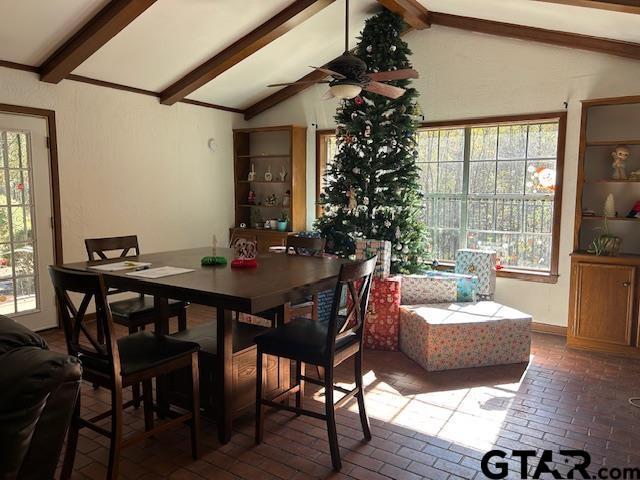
<point>449,336</point>
<point>382,323</point>
<point>481,263</point>
<point>466,285</point>
<point>422,289</point>
<point>366,248</point>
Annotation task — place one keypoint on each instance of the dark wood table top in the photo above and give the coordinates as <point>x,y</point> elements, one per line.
<point>277,280</point>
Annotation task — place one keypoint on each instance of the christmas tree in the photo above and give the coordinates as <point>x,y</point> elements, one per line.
<point>372,189</point>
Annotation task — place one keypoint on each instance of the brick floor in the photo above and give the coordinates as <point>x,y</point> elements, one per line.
<point>425,425</point>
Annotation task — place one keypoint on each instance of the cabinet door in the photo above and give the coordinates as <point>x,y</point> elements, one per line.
<point>604,302</point>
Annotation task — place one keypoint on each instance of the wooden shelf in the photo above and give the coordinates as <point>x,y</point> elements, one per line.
<point>613,219</point>
<point>285,155</point>
<point>612,181</point>
<point>613,143</point>
<point>264,181</point>
<point>263,206</point>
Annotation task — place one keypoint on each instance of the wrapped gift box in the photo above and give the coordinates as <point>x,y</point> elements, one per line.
<point>382,324</point>
<point>481,263</point>
<point>467,285</point>
<point>423,289</point>
<point>366,248</point>
<point>462,335</point>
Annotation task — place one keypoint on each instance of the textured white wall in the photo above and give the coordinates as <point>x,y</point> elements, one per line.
<point>467,75</point>
<point>129,165</point>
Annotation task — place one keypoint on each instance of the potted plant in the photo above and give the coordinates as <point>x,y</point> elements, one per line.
<point>283,221</point>
<point>605,243</point>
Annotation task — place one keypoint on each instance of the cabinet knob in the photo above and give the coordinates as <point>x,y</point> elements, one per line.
<point>626,284</point>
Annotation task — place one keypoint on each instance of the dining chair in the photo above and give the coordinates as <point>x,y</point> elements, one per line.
<point>323,344</point>
<point>235,236</point>
<point>116,364</point>
<point>306,246</point>
<point>137,312</point>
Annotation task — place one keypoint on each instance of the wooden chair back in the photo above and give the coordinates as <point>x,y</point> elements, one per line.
<point>80,338</point>
<point>308,246</point>
<point>99,247</point>
<point>241,235</point>
<point>356,278</point>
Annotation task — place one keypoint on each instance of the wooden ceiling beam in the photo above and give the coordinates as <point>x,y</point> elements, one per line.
<point>411,11</point>
<point>553,37</point>
<point>110,21</point>
<point>624,6</point>
<point>275,27</point>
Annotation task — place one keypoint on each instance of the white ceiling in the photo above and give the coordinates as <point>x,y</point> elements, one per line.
<point>174,36</point>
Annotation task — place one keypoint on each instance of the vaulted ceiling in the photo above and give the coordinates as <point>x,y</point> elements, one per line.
<point>225,52</point>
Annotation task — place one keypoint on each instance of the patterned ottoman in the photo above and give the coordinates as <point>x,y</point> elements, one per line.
<point>382,324</point>
<point>460,335</point>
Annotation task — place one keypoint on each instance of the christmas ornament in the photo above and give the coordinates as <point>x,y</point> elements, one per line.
<point>405,249</point>
<point>367,131</point>
<point>398,246</point>
<point>358,100</point>
<point>365,201</point>
<point>356,170</point>
<point>369,48</point>
<point>393,48</point>
<point>398,233</point>
<point>351,196</point>
<point>387,223</point>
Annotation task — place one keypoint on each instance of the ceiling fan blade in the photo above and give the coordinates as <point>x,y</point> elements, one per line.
<point>394,75</point>
<point>296,83</point>
<point>328,72</point>
<point>384,89</point>
<point>328,95</point>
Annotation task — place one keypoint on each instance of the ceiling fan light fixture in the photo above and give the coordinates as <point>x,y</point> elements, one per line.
<point>345,90</point>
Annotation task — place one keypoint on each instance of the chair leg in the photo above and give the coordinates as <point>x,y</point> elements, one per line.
<point>331,419</point>
<point>259,407</point>
<point>147,397</point>
<point>300,382</point>
<point>116,433</point>
<point>195,409</point>
<point>182,320</point>
<point>366,429</point>
<point>72,442</point>
<point>135,388</point>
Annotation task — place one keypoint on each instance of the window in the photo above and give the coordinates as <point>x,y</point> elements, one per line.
<point>492,183</point>
<point>17,245</point>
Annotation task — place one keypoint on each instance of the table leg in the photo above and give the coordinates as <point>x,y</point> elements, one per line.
<point>224,321</point>
<point>162,327</point>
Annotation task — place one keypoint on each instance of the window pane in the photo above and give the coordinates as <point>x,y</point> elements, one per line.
<point>446,244</point>
<point>21,223</point>
<point>510,177</point>
<point>541,176</point>
<point>428,146</point>
<point>6,296</point>
<point>4,225</point>
<point>543,140</point>
<point>482,177</point>
<point>534,251</point>
<point>538,216</point>
<point>5,261</point>
<point>2,155</point>
<point>447,212</point>
<point>512,142</point>
<point>3,188</point>
<point>23,259</point>
<point>451,145</point>
<point>26,293</point>
<point>17,149</point>
<point>19,185</point>
<point>481,214</point>
<point>450,177</point>
<point>484,143</point>
<point>508,215</point>
<point>429,177</point>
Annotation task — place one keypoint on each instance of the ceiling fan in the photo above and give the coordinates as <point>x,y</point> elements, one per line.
<point>350,77</point>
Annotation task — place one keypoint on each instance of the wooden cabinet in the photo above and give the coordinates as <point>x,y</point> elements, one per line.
<point>604,307</point>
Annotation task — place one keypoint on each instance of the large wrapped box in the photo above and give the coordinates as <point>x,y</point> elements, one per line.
<point>481,263</point>
<point>366,248</point>
<point>382,323</point>
<point>424,289</point>
<point>462,335</point>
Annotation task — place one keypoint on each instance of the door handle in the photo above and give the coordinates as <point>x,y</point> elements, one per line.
<point>626,284</point>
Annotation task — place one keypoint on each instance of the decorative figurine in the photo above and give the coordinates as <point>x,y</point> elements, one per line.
<point>286,198</point>
<point>635,176</point>
<point>268,176</point>
<point>271,200</point>
<point>610,206</point>
<point>351,195</point>
<point>251,198</point>
<point>620,156</point>
<point>252,174</point>
<point>283,174</point>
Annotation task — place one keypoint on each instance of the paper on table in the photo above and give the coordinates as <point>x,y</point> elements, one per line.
<point>160,272</point>
<point>116,266</point>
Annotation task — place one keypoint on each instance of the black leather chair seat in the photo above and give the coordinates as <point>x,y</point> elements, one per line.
<point>131,308</point>
<point>302,339</point>
<point>206,336</point>
<point>142,351</point>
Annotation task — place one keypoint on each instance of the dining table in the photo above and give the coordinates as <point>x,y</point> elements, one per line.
<point>277,280</point>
